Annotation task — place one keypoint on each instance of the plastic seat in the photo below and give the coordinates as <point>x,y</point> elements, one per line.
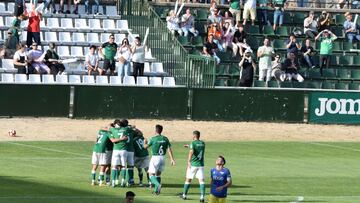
<point>129,80</point>
<point>337,46</point>
<point>74,79</point>
<point>61,79</point>
<point>279,44</point>
<point>8,78</point>
<point>327,85</point>
<point>48,79</point>
<point>20,78</point>
<point>258,83</point>
<point>299,84</point>
<point>80,23</point>
<point>155,81</point>
<point>356,60</point>
<point>298,18</point>
<point>169,81</point>
<point>329,73</point>
<point>63,51</point>
<point>8,64</point>
<point>355,74</point>
<point>8,21</point>
<point>147,67</point>
<point>254,29</point>
<point>88,79</point>
<point>343,74</point>
<point>102,79</point>
<point>157,67</point>
<point>92,38</point>
<point>115,80</point>
<point>286,84</point>
<point>77,51</point>
<point>1,24</point>
<point>341,86</point>
<point>313,84</point>
<point>354,86</point>
<point>340,19</point>
<point>183,40</point>
<point>345,60</point>
<point>122,24</point>
<point>201,14</point>
<point>3,8</point>
<point>104,37</point>
<point>119,38</point>
<point>234,70</point>
<point>347,46</point>
<point>141,80</point>
<point>95,24</point>
<point>51,37</point>
<point>34,78</point>
<point>78,38</point>
<point>314,74</point>
<point>268,30</point>
<point>67,23</point>
<point>65,37</point>
<point>109,24</point>
<point>198,41</point>
<point>111,10</point>
<point>273,84</point>
<point>282,31</point>
<point>53,23</point>
<point>11,7</point>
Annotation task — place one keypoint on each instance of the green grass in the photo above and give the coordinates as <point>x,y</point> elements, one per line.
<point>261,171</point>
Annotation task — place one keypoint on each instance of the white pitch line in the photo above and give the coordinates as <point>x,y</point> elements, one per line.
<point>41,158</point>
<point>47,149</point>
<point>335,146</point>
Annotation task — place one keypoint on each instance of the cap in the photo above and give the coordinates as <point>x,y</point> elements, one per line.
<point>323,12</point>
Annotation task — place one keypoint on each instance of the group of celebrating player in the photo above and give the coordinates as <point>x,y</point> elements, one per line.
<point>120,147</point>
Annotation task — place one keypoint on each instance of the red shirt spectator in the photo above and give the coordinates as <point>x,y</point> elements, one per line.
<point>34,21</point>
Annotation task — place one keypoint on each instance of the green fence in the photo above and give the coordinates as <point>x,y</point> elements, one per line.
<point>200,71</point>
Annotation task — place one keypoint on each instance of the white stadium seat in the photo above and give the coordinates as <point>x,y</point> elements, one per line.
<point>157,67</point>
<point>65,37</point>
<point>34,78</point>
<point>102,79</point>
<point>53,23</point>
<point>111,10</point>
<point>51,37</point>
<point>109,24</point>
<point>122,24</point>
<point>3,8</point>
<point>80,23</point>
<point>9,20</point>
<point>48,79</point>
<point>61,79</point>
<point>74,79</point>
<point>119,38</point>
<point>77,51</point>
<point>142,80</point>
<point>8,64</point>
<point>20,78</point>
<point>88,79</point>
<point>155,81</point>
<point>104,37</point>
<point>11,7</point>
<point>147,67</point>
<point>67,23</point>
<point>1,23</point>
<point>169,81</point>
<point>78,38</point>
<point>115,80</point>
<point>129,80</point>
<point>7,77</point>
<point>92,38</point>
<point>63,51</point>
<point>95,24</point>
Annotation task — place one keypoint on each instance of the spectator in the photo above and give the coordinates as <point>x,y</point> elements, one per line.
<point>234,9</point>
<point>108,51</point>
<point>138,57</point>
<point>88,6</point>
<point>215,18</point>
<point>11,45</point>
<point>239,40</point>
<point>276,69</point>
<point>217,36</point>
<point>124,57</point>
<point>351,28</point>
<point>324,21</point>
<point>211,48</point>
<point>227,37</point>
<point>92,60</point>
<point>129,197</point>
<point>292,45</point>
<point>262,13</point>
<point>279,6</point>
<point>310,26</point>
<point>228,18</point>
<point>52,60</point>
<point>20,59</point>
<point>249,9</point>
<point>173,23</point>
<point>36,59</point>
<point>47,6</point>
<point>302,3</point>
<point>264,55</point>
<point>33,30</point>
<point>15,26</point>
<point>61,10</point>
<point>187,24</point>
<point>19,7</point>
<point>308,52</point>
<point>213,8</point>
<point>291,66</point>
<point>327,39</point>
<point>247,68</point>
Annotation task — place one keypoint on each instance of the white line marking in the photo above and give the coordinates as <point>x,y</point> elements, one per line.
<point>42,158</point>
<point>335,146</point>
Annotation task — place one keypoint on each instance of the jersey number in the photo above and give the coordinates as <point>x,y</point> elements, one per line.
<point>200,155</point>
<point>140,143</point>
<point>99,139</point>
<point>161,150</point>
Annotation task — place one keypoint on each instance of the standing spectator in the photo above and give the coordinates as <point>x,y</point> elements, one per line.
<point>216,32</point>
<point>108,51</point>
<point>228,18</point>
<point>324,21</point>
<point>19,7</point>
<point>308,52</point>
<point>61,10</point>
<point>239,40</point>
<point>211,48</point>
<point>351,28</point>
<point>262,13</point>
<point>279,6</point>
<point>291,66</point>
<point>92,60</point>
<point>292,45</point>
<point>138,57</point>
<point>88,6</point>
<point>33,30</point>
<point>52,60</point>
<point>124,57</point>
<point>20,59</point>
<point>215,18</point>
<point>36,59</point>
<point>327,39</point>
<point>276,69</point>
<point>47,6</point>
<point>11,44</point>
<point>249,9</point>
<point>227,37</point>
<point>310,26</point>
<point>247,68</point>
<point>16,26</point>
<point>187,24</point>
<point>264,54</point>
<point>173,23</point>
<point>234,9</point>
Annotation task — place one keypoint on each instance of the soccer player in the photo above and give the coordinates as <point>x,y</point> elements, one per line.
<point>129,197</point>
<point>99,155</point>
<point>220,181</point>
<point>159,145</point>
<point>195,165</point>
<point>108,151</point>
<point>141,157</point>
<point>118,160</point>
<point>128,173</point>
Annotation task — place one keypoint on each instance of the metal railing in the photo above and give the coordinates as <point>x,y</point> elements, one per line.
<point>200,71</point>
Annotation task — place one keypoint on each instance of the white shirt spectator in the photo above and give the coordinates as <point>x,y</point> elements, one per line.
<point>310,24</point>
<point>125,53</point>
<point>265,61</point>
<point>250,4</point>
<point>139,54</point>
<point>91,59</point>
<point>18,54</point>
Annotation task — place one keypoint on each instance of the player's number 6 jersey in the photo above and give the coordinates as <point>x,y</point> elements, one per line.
<point>159,144</point>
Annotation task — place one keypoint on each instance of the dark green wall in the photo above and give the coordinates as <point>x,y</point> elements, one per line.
<point>34,100</point>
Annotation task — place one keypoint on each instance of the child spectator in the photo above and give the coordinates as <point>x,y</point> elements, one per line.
<point>92,60</point>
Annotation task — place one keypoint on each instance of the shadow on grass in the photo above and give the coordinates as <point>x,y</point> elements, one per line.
<point>195,184</point>
<point>25,190</point>
<point>271,201</point>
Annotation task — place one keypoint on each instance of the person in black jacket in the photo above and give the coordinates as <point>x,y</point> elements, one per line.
<point>52,60</point>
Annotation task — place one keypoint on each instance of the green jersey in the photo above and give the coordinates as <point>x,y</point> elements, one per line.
<point>279,3</point>
<point>198,148</point>
<point>159,144</point>
<point>326,45</point>
<point>118,133</point>
<point>102,141</point>
<point>235,4</point>
<point>130,142</point>
<point>140,151</point>
<point>109,50</point>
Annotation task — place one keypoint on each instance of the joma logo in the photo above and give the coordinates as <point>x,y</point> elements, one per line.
<point>338,106</point>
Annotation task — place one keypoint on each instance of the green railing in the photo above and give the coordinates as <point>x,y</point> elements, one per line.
<point>200,71</point>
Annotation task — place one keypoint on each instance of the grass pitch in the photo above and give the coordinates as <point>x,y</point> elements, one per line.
<point>261,171</point>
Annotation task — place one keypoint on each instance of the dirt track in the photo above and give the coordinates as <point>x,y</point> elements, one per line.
<point>68,129</point>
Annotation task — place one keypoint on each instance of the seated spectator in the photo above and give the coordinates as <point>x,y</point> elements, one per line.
<point>211,48</point>
<point>249,9</point>
<point>324,21</point>
<point>173,23</point>
<point>310,26</point>
<point>108,51</point>
<point>20,59</point>
<point>213,8</point>
<point>239,40</point>
<point>227,38</point>
<point>88,6</point>
<point>11,45</point>
<point>187,24</point>
<point>291,66</point>
<point>292,45</point>
<point>351,28</point>
<point>124,57</point>
<point>215,31</point>
<point>280,6</point>
<point>327,39</point>
<point>228,18</point>
<point>276,69</point>
<point>247,69</point>
<point>234,9</point>
<point>215,18</point>
<point>36,59</point>
<point>307,53</point>
<point>52,60</point>
<point>264,55</point>
<point>92,60</point>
